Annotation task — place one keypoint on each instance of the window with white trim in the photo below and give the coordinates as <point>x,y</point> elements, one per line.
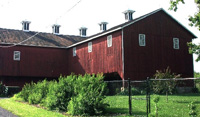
<point>109,40</point>
<point>176,43</point>
<point>74,51</point>
<point>16,55</point>
<point>142,41</point>
<point>90,47</point>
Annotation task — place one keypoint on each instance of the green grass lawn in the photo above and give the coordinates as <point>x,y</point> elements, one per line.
<point>25,110</point>
<point>177,106</point>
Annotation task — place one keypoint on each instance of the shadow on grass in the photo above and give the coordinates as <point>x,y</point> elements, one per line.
<point>122,111</point>
<point>187,94</point>
<point>181,101</point>
<point>117,110</point>
<point>138,113</point>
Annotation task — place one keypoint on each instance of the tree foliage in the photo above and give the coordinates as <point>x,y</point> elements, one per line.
<point>194,49</point>
<point>161,86</point>
<point>194,21</point>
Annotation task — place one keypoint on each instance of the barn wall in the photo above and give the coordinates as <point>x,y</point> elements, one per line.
<point>101,59</point>
<point>35,62</point>
<point>158,54</point>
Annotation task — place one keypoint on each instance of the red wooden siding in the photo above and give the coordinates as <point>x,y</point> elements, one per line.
<point>139,61</point>
<point>101,59</point>
<point>35,62</point>
<point>158,54</point>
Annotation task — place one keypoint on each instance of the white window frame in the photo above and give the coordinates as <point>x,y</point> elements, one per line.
<point>142,41</point>
<point>74,51</point>
<point>109,41</point>
<point>176,43</point>
<point>16,55</point>
<point>90,47</point>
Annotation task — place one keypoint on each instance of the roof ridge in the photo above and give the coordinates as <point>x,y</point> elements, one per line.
<point>123,25</point>
<point>37,32</point>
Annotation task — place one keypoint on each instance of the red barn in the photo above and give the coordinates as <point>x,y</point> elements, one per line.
<point>134,49</point>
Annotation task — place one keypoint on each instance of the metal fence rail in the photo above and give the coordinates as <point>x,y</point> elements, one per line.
<point>146,86</point>
<point>148,104</point>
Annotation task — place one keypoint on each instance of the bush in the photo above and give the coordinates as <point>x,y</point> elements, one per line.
<point>192,110</point>
<point>89,95</point>
<point>197,85</point>
<point>60,93</point>
<point>2,89</point>
<point>26,91</point>
<point>39,92</point>
<point>34,93</point>
<point>79,95</point>
<point>162,87</point>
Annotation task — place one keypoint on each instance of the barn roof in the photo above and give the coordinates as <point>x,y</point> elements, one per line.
<point>10,36</point>
<point>121,26</point>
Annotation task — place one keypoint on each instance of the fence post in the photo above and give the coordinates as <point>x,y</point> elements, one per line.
<point>147,102</point>
<point>129,94</point>
<point>149,94</point>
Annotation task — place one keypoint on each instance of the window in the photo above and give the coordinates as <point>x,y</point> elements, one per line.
<point>176,43</point>
<point>90,47</point>
<point>109,40</point>
<point>142,40</point>
<point>74,51</point>
<point>16,56</point>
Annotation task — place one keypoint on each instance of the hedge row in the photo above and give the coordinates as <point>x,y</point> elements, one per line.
<point>76,95</point>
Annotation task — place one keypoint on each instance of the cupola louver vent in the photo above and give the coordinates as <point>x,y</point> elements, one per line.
<point>128,15</point>
<point>55,29</point>
<point>103,26</point>
<point>83,31</point>
<point>25,25</point>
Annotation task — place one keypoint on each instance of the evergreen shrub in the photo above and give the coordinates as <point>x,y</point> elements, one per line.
<point>60,93</point>
<point>89,95</point>
<point>77,95</point>
<point>38,92</point>
<point>26,91</point>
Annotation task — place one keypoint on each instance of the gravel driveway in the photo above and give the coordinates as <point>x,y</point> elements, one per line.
<point>5,113</point>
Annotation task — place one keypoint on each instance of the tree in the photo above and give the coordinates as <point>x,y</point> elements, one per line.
<point>194,21</point>
<point>194,49</point>
<point>161,86</point>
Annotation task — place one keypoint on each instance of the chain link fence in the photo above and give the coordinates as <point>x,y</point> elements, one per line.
<point>137,97</point>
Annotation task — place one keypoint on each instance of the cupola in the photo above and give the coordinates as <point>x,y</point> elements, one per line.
<point>25,25</point>
<point>103,26</point>
<point>83,31</point>
<point>55,29</point>
<point>128,15</point>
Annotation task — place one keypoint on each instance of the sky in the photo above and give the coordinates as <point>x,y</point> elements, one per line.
<point>73,14</point>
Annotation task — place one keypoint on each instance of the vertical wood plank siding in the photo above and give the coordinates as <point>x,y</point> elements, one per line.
<point>102,59</point>
<point>139,61</point>
<point>35,62</point>
<point>158,54</point>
